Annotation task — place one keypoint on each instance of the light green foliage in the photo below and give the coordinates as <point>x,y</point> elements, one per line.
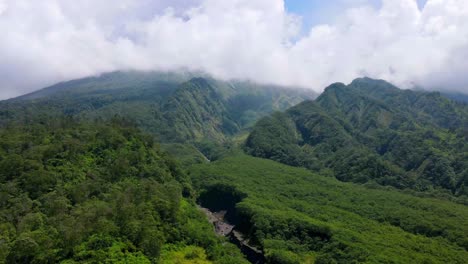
<point>101,249</point>
<point>296,216</point>
<point>184,255</point>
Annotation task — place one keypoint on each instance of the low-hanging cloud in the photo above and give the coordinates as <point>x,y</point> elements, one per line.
<point>54,40</point>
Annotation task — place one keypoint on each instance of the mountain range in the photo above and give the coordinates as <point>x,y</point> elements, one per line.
<point>114,168</point>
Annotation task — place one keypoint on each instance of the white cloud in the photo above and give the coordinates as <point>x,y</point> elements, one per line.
<point>2,7</point>
<point>398,42</point>
<point>54,40</point>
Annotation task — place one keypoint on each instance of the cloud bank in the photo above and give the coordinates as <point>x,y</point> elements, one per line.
<point>54,40</point>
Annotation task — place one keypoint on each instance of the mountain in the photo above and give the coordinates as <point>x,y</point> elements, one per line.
<point>129,84</point>
<point>372,131</point>
<point>174,107</point>
<point>80,182</point>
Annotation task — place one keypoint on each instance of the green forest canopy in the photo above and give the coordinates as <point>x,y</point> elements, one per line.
<point>297,216</point>
<point>371,131</point>
<point>93,193</point>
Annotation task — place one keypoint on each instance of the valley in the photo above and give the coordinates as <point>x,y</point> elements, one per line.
<point>183,168</point>
<point>301,217</point>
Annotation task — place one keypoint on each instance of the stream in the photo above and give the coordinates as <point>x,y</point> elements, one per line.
<point>223,228</point>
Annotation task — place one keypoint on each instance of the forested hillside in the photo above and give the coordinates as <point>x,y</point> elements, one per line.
<point>82,179</point>
<point>174,107</point>
<point>87,192</point>
<point>297,216</point>
<point>371,131</point>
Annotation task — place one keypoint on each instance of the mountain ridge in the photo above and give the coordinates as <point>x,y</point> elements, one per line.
<point>370,130</point>
<point>152,100</point>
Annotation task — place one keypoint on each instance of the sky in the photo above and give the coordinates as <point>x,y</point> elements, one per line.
<point>316,12</point>
<point>307,43</point>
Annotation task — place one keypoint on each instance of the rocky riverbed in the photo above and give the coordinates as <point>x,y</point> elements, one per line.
<point>223,228</point>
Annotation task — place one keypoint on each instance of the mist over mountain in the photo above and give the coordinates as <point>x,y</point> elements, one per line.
<point>173,106</point>
<point>262,40</point>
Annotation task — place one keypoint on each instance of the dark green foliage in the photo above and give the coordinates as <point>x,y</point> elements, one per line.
<point>95,183</point>
<point>94,193</point>
<point>297,216</point>
<point>196,111</point>
<point>174,107</point>
<point>220,197</point>
<point>372,131</point>
<point>79,191</point>
<point>264,225</point>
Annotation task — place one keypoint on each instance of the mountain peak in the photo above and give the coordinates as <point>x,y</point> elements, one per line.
<point>334,88</point>
<point>368,80</point>
<point>337,85</point>
<point>199,80</point>
<point>367,84</point>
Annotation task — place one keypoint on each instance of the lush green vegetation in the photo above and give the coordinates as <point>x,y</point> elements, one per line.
<point>174,107</point>
<point>371,131</point>
<point>91,188</point>
<point>298,216</point>
<point>98,193</point>
<point>186,154</point>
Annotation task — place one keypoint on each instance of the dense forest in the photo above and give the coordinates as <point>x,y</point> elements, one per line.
<point>371,131</point>
<point>298,216</point>
<point>114,169</point>
<point>77,192</point>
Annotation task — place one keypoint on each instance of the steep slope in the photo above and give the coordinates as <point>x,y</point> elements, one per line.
<point>372,131</point>
<point>175,107</point>
<point>197,111</point>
